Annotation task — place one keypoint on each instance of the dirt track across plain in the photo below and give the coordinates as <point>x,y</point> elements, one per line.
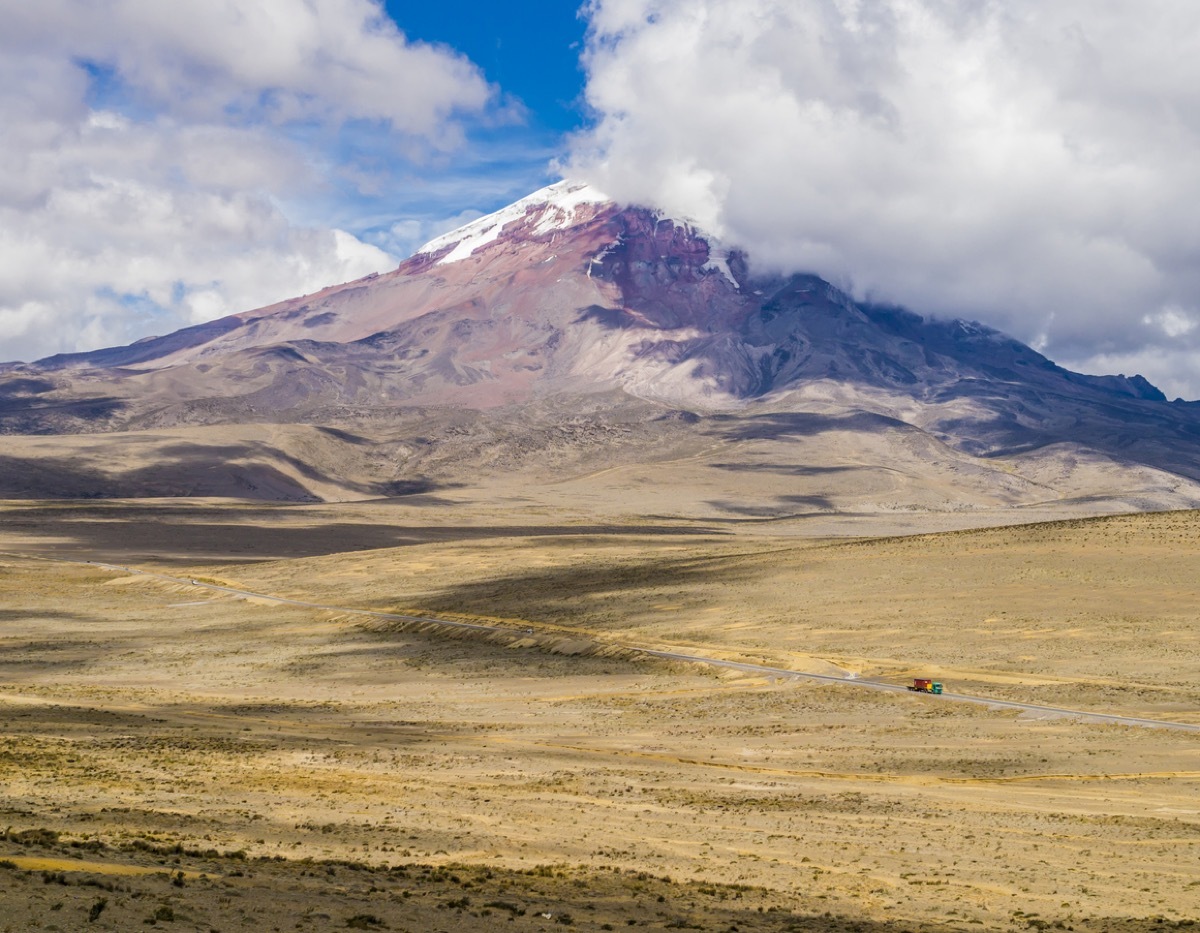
<point>741,666</point>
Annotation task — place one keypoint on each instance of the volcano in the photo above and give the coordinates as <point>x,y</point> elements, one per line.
<point>567,335</point>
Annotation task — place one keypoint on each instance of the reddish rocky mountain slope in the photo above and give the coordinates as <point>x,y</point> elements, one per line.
<point>620,333</point>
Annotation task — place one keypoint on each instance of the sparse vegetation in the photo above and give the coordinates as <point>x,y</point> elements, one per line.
<point>169,751</point>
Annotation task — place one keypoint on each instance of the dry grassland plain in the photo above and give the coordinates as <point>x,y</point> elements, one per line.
<point>175,756</point>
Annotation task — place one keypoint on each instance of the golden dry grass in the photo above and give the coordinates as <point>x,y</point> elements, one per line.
<point>141,716</point>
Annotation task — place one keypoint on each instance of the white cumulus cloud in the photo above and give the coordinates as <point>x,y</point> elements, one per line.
<point>1032,165</point>
<point>153,155</point>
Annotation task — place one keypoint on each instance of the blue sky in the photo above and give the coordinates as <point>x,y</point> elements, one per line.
<point>531,51</point>
<point>533,59</point>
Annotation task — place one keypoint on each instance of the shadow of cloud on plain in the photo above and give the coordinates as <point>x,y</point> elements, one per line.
<point>781,425</point>
<point>183,533</point>
<point>784,508</point>
<point>786,469</point>
<point>250,470</point>
<point>185,475</point>
<point>565,594</point>
<point>233,541</point>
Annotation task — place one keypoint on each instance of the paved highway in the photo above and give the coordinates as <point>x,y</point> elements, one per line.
<point>759,669</point>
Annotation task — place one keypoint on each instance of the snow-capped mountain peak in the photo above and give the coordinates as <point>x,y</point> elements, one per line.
<point>556,207</point>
